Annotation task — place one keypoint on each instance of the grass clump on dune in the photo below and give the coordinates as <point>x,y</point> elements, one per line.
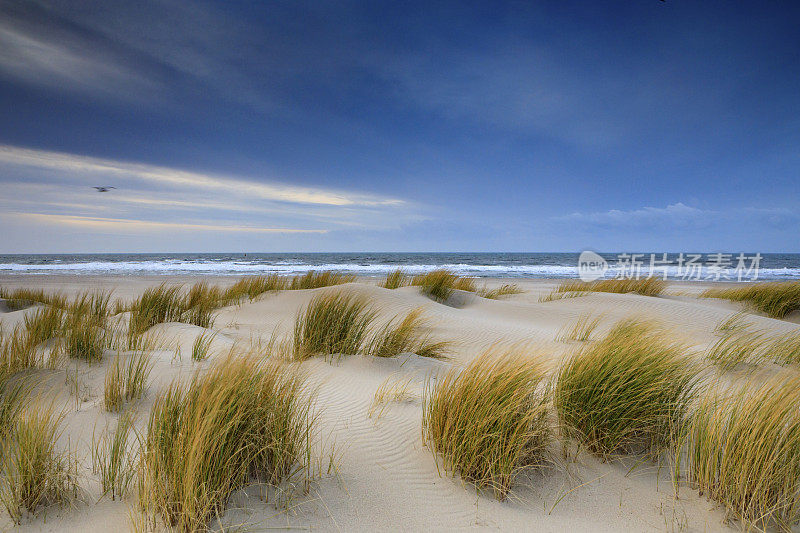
<point>22,348</point>
<point>247,420</point>
<point>738,346</point>
<point>164,303</point>
<point>581,330</point>
<point>126,381</point>
<point>440,284</point>
<point>254,286</point>
<point>84,338</point>
<point>202,345</point>
<point>406,335</point>
<point>556,295</point>
<point>35,472</point>
<point>91,306</point>
<point>42,325</point>
<point>332,323</point>
<point>316,280</point>
<point>156,305</point>
<point>13,395</point>
<point>489,421</point>
<point>200,303</point>
<point>776,299</point>
<point>743,451</point>
<point>649,286</point>
<point>113,458</point>
<point>390,390</point>
<point>785,349</point>
<point>734,322</point>
<point>506,289</point>
<point>19,298</point>
<point>395,279</point>
<point>628,392</point>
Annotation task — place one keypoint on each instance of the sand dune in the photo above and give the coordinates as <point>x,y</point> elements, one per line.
<point>382,477</point>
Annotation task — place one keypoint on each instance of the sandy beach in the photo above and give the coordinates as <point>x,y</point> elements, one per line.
<point>375,473</point>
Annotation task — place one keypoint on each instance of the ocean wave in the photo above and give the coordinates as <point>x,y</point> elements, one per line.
<point>168,266</point>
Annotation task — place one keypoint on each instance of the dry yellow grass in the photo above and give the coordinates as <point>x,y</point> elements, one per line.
<point>390,390</point>
<point>406,335</point>
<point>248,419</point>
<point>506,289</point>
<point>114,457</point>
<point>332,323</point>
<point>315,280</point>
<point>650,286</point>
<point>581,330</point>
<point>776,299</point>
<point>20,298</point>
<point>126,381</point>
<point>742,449</point>
<point>489,421</point>
<point>734,322</point>
<point>254,286</point>
<point>627,392</point>
<point>739,346</point>
<point>440,284</point>
<point>784,349</point>
<point>395,279</point>
<point>35,472</point>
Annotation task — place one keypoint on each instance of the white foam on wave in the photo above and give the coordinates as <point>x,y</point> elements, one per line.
<point>237,267</point>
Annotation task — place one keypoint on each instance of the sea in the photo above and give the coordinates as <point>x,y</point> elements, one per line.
<point>696,266</point>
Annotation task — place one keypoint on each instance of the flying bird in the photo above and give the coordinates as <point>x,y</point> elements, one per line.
<point>103,189</point>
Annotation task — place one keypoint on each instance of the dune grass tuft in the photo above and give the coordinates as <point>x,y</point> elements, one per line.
<point>165,303</point>
<point>390,390</point>
<point>126,381</point>
<point>35,472</point>
<point>332,323</point>
<point>396,279</point>
<point>489,421</point>
<point>650,286</point>
<point>155,306</point>
<point>201,346</point>
<point>784,349</point>
<point>627,392</point>
<point>440,284</point>
<point>42,325</point>
<point>84,338</point>
<point>248,419</point>
<point>199,304</point>
<point>506,289</point>
<point>742,449</point>
<point>406,335</point>
<point>92,306</point>
<point>776,299</point>
<point>557,295</point>
<point>734,322</point>
<point>20,298</point>
<point>113,457</point>
<point>252,287</point>
<point>13,394</point>
<point>738,346</point>
<point>581,330</point>
<point>316,280</point>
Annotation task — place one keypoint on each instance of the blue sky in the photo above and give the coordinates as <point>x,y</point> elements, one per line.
<point>372,126</point>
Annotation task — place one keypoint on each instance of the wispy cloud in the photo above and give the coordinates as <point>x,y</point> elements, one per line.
<point>678,213</point>
<point>678,216</point>
<point>92,168</point>
<point>64,64</point>
<point>119,224</point>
